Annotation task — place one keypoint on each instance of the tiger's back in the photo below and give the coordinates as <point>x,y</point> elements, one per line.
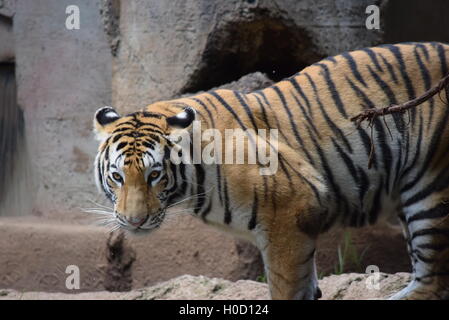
<point>323,97</point>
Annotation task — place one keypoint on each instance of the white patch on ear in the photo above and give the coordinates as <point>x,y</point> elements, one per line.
<point>111,115</point>
<point>182,115</point>
<point>102,119</point>
<point>183,119</point>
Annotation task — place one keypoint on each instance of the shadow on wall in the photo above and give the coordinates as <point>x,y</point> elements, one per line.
<point>273,46</point>
<point>14,173</point>
<point>416,20</point>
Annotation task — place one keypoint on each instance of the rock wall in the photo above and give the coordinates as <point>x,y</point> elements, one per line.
<point>166,48</point>
<point>63,76</point>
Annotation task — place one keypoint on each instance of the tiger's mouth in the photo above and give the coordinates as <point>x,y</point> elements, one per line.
<point>146,225</point>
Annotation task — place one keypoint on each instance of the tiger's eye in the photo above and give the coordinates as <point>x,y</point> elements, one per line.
<point>117,176</point>
<point>154,174</point>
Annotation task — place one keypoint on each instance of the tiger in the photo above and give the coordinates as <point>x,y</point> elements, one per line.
<point>323,180</point>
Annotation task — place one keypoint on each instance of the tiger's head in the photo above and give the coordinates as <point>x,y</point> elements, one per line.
<point>133,166</point>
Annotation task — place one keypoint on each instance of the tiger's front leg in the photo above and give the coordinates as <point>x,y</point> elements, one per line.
<point>289,261</point>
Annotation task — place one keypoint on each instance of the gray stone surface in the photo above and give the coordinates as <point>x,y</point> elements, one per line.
<point>63,76</point>
<point>8,8</point>
<point>171,47</point>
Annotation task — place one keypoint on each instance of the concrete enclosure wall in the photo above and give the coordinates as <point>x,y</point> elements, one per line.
<point>63,77</point>
<point>195,45</point>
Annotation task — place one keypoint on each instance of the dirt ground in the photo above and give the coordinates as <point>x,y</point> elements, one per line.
<point>35,253</point>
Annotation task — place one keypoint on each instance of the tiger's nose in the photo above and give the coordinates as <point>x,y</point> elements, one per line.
<point>136,221</point>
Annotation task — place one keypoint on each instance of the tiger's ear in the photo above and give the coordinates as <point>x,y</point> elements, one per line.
<point>103,122</point>
<point>183,119</point>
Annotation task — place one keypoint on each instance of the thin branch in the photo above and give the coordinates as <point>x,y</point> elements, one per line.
<point>372,113</point>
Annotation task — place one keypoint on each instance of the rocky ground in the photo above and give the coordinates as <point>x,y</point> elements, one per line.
<point>351,286</point>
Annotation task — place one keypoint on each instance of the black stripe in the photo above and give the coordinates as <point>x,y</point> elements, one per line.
<point>287,174</point>
<point>147,114</point>
<point>121,145</point>
<point>399,122</point>
<point>373,57</point>
<point>309,121</point>
<point>354,68</point>
<point>207,210</point>
<point>117,137</point>
<point>390,69</point>
<point>430,232</point>
<point>121,129</point>
<point>402,68</point>
<point>387,154</point>
<point>337,131</point>
<point>182,189</point>
<point>417,152</point>
<point>252,223</point>
<point>432,150</point>
<point>332,89</point>
<point>397,169</point>
<point>341,199</point>
<point>439,184</point>
<point>424,72</point>
<point>201,103</point>
<point>264,112</point>
<point>363,184</point>
<point>218,173</point>
<point>227,213</point>
<point>442,56</point>
<point>440,211</point>
<point>384,86</point>
<point>423,47</point>
<point>229,108</point>
<point>246,108</point>
<point>346,160</point>
<point>273,115</point>
<point>106,153</point>
<point>175,178</point>
<point>292,123</point>
<point>427,83</point>
<point>432,246</point>
<point>148,130</point>
<point>148,144</point>
<point>297,87</point>
<point>366,141</point>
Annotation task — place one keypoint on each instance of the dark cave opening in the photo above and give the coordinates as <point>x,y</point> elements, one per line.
<point>269,45</point>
